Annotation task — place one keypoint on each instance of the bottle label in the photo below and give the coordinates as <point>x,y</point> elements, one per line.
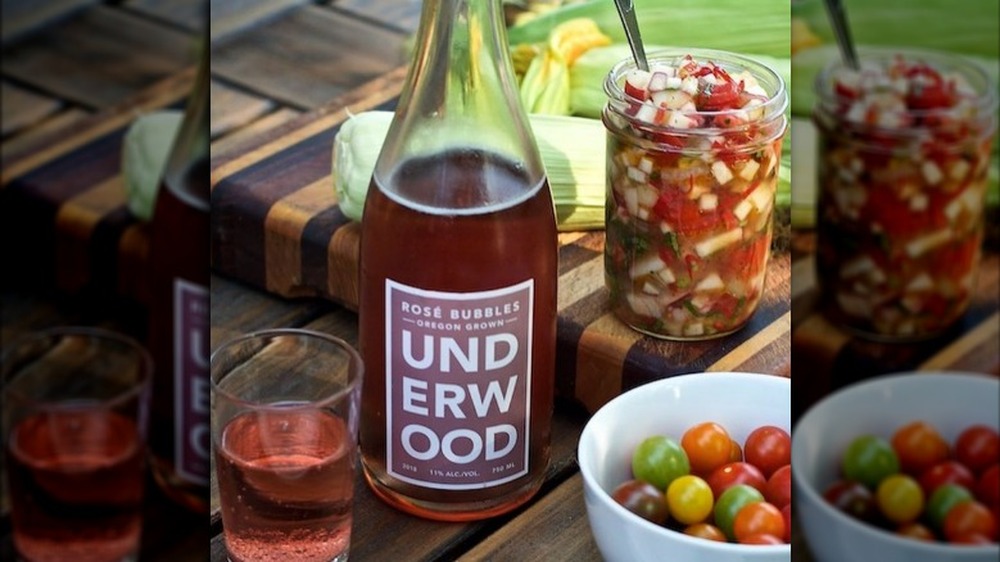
<point>458,374</point>
<point>192,436</point>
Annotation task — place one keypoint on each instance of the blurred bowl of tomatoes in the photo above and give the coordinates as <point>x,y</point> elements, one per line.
<point>691,467</point>
<point>901,468</point>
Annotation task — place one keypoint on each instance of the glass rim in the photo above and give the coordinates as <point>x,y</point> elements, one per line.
<point>773,107</point>
<point>984,101</point>
<point>133,390</point>
<point>353,356</point>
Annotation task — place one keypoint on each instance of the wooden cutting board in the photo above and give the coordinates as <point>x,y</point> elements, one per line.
<point>63,216</point>
<point>277,226</point>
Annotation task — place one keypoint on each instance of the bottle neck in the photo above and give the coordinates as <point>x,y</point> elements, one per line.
<point>188,159</point>
<point>460,91</point>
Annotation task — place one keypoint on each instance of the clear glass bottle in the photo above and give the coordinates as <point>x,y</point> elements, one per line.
<point>179,313</point>
<point>458,282</point>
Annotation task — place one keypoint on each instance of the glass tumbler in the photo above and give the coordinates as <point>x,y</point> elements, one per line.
<point>690,191</point>
<point>284,427</point>
<point>75,410</point>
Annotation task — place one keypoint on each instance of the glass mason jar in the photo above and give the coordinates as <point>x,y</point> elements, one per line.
<point>904,152</point>
<point>691,176</point>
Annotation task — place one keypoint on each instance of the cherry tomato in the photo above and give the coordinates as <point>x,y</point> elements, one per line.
<point>689,499</point>
<point>978,447</point>
<point>988,486</point>
<point>972,538</point>
<point>943,473</point>
<point>768,448</point>
<point>968,518</point>
<point>900,498</point>
<point>762,539</point>
<point>734,473</point>
<point>917,531</point>
<point>786,512</point>
<point>779,487</point>
<point>659,460</point>
<point>731,502</point>
<point>735,451</point>
<point>852,498</point>
<point>642,499</point>
<point>707,447</point>
<point>919,446</point>
<point>869,459</point>
<point>705,531</point>
<point>945,497</point>
<point>759,518</point>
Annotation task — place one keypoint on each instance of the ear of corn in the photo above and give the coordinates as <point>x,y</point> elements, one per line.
<point>958,26</point>
<point>715,24</point>
<point>545,87</point>
<point>572,150</point>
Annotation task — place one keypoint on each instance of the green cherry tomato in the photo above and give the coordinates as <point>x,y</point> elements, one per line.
<point>945,497</point>
<point>869,459</point>
<point>642,499</point>
<point>659,460</point>
<point>730,503</point>
<point>900,498</point>
<point>689,499</point>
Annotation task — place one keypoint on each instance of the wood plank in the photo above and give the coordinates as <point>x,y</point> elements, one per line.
<point>27,139</point>
<point>232,108</point>
<point>166,92</point>
<point>227,17</point>
<point>21,108</point>
<point>554,529</point>
<point>186,14</point>
<point>243,135</point>
<point>100,57</point>
<point>400,14</point>
<point>21,17</point>
<point>297,60</point>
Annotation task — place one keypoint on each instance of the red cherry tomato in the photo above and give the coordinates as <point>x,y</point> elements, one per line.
<point>919,446</point>
<point>972,538</point>
<point>762,539</point>
<point>917,531</point>
<point>735,451</point>
<point>969,518</point>
<point>786,512</point>
<point>779,487</point>
<point>852,498</point>
<point>707,447</point>
<point>642,499</point>
<point>944,473</point>
<point>768,448</point>
<point>705,531</point>
<point>988,486</point>
<point>728,475</point>
<point>978,447</point>
<point>759,518</point>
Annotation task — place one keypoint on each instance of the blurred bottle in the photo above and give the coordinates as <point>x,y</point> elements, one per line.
<point>179,320</point>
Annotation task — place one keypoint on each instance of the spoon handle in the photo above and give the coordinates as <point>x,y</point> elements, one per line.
<point>626,10</point>
<point>840,28</point>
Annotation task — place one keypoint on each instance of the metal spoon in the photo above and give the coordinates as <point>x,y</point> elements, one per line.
<point>843,32</point>
<point>626,10</point>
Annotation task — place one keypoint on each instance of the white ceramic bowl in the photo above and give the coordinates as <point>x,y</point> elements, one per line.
<point>741,402</point>
<point>948,401</point>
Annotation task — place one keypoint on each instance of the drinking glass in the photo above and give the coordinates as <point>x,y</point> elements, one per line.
<point>75,405</point>
<point>284,427</point>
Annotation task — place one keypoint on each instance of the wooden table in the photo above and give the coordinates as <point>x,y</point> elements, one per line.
<point>283,74</point>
